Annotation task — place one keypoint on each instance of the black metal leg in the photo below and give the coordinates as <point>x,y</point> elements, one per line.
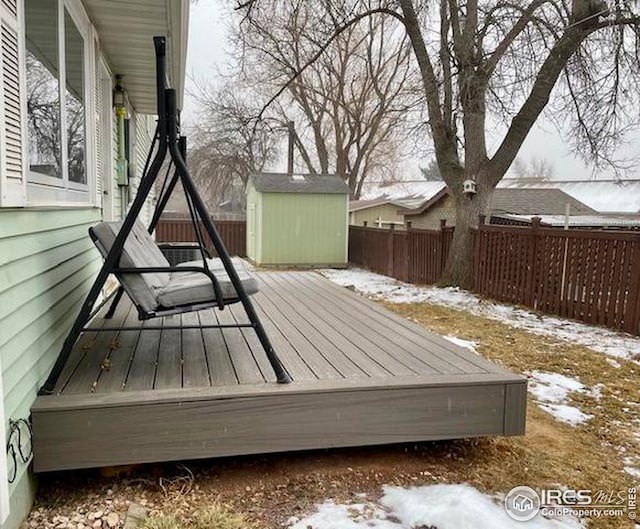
<point>281,373</point>
<point>114,304</point>
<point>112,258</point>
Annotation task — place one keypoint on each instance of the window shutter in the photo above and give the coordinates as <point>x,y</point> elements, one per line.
<point>99,130</point>
<point>12,107</point>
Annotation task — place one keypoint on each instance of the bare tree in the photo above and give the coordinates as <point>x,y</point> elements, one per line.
<point>536,167</point>
<point>509,61</point>
<point>431,172</point>
<point>351,106</point>
<point>227,146</point>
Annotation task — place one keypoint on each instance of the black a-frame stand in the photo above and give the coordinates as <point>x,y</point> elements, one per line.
<point>167,143</point>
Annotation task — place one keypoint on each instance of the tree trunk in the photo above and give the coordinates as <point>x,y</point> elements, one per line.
<point>459,267</point>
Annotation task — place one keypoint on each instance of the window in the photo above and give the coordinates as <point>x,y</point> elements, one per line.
<point>56,80</point>
<point>74,101</point>
<point>43,88</point>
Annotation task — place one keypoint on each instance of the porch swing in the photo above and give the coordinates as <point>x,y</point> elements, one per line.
<point>154,286</point>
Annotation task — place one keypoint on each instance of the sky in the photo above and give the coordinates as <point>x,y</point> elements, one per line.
<point>207,53</point>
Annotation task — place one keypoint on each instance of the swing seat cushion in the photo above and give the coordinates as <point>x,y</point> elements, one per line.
<point>194,287</point>
<point>153,291</point>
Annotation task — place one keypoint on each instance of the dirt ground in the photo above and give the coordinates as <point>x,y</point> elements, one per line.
<point>268,490</point>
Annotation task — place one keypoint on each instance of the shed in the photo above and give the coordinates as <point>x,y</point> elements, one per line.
<point>297,220</point>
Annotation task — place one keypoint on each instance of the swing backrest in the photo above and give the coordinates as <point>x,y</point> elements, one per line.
<point>140,251</point>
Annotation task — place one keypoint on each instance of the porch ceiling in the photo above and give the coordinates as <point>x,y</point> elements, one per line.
<point>126,29</point>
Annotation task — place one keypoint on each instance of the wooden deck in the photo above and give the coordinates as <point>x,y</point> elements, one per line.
<point>362,375</point>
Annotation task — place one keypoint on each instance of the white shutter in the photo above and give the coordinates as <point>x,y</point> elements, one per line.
<point>12,107</point>
<point>99,130</point>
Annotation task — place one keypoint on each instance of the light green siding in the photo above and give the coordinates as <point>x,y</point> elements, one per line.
<point>301,229</point>
<point>47,263</point>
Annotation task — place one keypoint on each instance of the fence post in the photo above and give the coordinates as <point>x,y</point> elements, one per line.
<point>632,310</point>
<point>391,252</point>
<point>530,285</point>
<point>408,244</point>
<point>442,258</point>
<point>478,252</point>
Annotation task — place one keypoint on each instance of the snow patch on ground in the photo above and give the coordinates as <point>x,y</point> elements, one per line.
<point>613,344</point>
<point>441,506</point>
<point>551,392</point>
<point>632,466</point>
<point>467,344</point>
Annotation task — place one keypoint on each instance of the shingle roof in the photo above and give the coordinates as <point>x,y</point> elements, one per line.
<point>618,221</point>
<point>611,196</point>
<point>299,183</point>
<point>537,202</point>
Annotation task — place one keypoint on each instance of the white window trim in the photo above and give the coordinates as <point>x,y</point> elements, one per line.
<point>43,190</point>
<point>109,193</point>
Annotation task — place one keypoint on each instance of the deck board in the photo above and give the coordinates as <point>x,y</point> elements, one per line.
<point>221,370</point>
<point>195,369</point>
<point>362,375</point>
<point>404,331</point>
<point>169,370</point>
<point>98,355</point>
<point>389,353</point>
<point>114,376</point>
<point>284,318</point>
<point>144,364</point>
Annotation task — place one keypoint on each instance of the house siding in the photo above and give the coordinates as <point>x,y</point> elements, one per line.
<point>144,126</point>
<point>47,264</point>
<point>386,212</point>
<point>430,219</point>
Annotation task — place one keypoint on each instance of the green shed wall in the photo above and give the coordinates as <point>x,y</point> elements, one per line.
<point>301,229</point>
<point>47,264</point>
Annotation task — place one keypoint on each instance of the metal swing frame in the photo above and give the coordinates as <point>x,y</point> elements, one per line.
<point>166,141</point>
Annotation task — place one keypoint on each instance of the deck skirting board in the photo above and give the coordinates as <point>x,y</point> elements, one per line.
<point>153,432</point>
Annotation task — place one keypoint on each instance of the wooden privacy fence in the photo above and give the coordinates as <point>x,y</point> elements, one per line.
<point>415,256</point>
<point>592,276</point>
<point>232,232</point>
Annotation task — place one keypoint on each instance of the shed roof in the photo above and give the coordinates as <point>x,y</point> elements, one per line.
<point>300,183</point>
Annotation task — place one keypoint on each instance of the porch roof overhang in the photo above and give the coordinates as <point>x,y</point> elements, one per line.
<point>126,29</point>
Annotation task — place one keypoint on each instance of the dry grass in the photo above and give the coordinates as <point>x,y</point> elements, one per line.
<point>215,516</point>
<point>162,522</point>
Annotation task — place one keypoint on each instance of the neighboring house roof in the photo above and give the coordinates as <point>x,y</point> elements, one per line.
<point>402,190</point>
<point>521,202</point>
<point>536,202</point>
<point>359,205</point>
<point>401,203</point>
<point>126,34</point>
<point>426,204</point>
<point>579,220</point>
<point>299,183</point>
<point>605,196</point>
